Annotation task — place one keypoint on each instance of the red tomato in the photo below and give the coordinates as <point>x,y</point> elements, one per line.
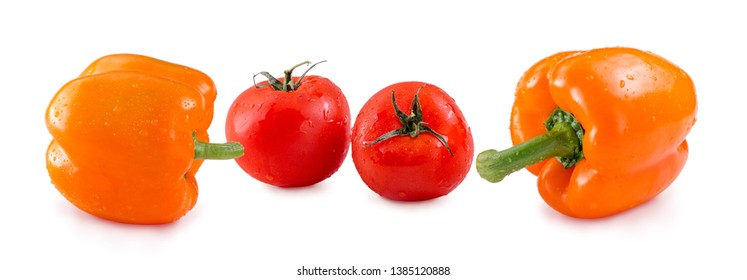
<point>292,138</point>
<point>412,155</point>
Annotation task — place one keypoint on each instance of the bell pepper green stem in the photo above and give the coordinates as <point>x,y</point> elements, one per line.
<point>218,150</point>
<point>560,141</point>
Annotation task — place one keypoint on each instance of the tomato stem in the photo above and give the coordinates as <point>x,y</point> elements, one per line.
<point>287,85</point>
<point>412,124</point>
<point>229,150</point>
<point>562,140</point>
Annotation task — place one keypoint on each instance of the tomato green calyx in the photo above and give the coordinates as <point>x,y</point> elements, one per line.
<point>217,150</point>
<point>562,140</point>
<point>287,84</point>
<point>412,124</point>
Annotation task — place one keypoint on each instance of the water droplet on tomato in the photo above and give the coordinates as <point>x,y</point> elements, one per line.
<point>622,83</point>
<point>629,77</point>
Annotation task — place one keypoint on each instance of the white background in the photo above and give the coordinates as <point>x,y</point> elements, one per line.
<point>243,229</point>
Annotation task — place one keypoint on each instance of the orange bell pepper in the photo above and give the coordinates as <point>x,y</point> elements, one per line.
<point>129,135</point>
<point>603,129</point>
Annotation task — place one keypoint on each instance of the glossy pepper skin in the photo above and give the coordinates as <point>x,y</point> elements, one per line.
<point>123,146</point>
<point>635,109</point>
